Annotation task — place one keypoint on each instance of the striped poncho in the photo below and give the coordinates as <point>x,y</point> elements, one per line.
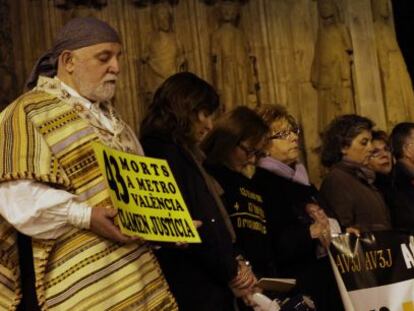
<point>45,136</point>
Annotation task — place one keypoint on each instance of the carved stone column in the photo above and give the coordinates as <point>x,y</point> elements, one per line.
<point>8,83</point>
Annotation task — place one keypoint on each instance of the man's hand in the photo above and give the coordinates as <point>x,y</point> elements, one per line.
<point>102,223</point>
<point>197,223</point>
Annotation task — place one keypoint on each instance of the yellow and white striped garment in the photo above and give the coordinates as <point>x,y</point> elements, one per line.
<point>45,136</point>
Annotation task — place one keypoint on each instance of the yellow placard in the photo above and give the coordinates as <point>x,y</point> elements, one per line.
<point>147,197</point>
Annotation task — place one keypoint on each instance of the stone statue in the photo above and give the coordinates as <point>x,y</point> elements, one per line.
<point>233,65</point>
<point>395,81</point>
<point>164,55</point>
<point>7,86</point>
<point>331,73</point>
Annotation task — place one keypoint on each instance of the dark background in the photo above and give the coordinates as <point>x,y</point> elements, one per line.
<point>404,27</point>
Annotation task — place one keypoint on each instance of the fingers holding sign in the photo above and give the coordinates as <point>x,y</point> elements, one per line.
<point>197,224</point>
<point>102,224</point>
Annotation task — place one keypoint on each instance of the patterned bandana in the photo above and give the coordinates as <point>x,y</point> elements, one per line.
<point>77,33</point>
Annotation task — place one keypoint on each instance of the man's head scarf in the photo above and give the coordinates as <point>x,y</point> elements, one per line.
<point>77,33</point>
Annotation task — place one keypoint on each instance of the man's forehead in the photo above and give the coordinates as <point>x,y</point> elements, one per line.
<point>109,47</point>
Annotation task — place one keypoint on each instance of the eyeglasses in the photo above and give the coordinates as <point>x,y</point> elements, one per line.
<point>252,152</point>
<point>286,133</point>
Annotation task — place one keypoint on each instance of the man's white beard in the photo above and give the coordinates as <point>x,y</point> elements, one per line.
<point>105,91</point>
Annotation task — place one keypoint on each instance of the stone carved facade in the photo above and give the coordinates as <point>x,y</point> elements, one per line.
<point>234,73</point>
<point>331,73</point>
<point>395,81</point>
<point>164,54</point>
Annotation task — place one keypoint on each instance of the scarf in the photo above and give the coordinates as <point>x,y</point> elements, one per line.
<point>361,171</point>
<point>297,174</point>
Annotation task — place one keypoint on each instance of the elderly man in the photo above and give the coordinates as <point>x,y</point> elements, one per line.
<point>55,206</point>
<point>402,194</point>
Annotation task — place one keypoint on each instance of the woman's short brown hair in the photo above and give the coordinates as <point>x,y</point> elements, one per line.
<point>240,124</point>
<point>339,134</point>
<point>272,113</point>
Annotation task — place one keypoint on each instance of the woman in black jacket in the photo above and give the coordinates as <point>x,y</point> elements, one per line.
<point>203,276</point>
<point>236,142</point>
<point>297,225</point>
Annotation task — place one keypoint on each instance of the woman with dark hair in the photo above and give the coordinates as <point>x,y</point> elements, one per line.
<point>299,228</point>
<point>234,143</point>
<point>200,276</point>
<point>348,188</point>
